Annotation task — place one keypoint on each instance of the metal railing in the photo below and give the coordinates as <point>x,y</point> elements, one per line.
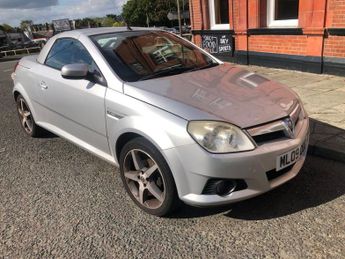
<point>14,52</point>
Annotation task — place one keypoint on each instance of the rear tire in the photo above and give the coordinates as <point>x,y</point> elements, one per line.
<point>147,178</point>
<point>27,120</point>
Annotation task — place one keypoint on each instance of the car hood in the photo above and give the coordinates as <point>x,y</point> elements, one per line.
<point>225,92</point>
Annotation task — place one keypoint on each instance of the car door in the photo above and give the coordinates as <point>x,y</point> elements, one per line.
<point>73,108</point>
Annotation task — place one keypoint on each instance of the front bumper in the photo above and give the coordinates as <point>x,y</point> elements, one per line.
<point>192,167</point>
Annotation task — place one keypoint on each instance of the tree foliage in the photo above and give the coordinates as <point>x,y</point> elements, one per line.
<point>25,24</point>
<point>7,28</point>
<point>148,12</point>
<point>108,21</point>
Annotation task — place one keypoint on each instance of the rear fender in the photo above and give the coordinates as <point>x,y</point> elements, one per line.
<point>19,88</point>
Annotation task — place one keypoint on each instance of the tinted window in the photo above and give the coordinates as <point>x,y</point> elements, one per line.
<point>286,9</point>
<point>140,55</point>
<point>221,9</point>
<point>69,51</point>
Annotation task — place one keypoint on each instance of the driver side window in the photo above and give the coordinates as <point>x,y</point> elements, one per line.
<point>69,51</point>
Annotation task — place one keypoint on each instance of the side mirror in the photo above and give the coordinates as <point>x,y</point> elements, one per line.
<point>75,71</point>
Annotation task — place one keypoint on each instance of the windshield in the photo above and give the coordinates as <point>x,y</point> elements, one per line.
<point>142,55</point>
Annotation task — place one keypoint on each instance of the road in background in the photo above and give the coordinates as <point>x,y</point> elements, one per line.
<point>6,68</point>
<point>59,201</point>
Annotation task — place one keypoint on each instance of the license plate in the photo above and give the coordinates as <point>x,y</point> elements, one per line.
<point>290,157</point>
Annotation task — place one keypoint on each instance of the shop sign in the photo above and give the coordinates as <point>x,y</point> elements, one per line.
<point>62,25</point>
<point>218,44</point>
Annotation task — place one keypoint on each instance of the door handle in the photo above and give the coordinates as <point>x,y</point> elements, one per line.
<point>43,85</point>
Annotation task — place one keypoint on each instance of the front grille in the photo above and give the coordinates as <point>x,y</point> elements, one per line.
<point>277,129</point>
<point>273,174</point>
<point>269,137</point>
<point>210,187</point>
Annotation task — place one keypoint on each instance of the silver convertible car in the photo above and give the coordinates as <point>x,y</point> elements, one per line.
<point>180,124</point>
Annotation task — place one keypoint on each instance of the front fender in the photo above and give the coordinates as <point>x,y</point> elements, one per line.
<point>163,135</point>
<point>126,114</point>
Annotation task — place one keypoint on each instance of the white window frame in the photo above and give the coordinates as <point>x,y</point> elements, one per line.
<point>213,24</point>
<point>272,23</point>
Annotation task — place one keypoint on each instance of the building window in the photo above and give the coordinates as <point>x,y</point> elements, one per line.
<point>219,14</point>
<point>282,13</point>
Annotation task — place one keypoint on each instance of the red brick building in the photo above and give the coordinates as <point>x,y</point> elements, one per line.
<point>307,35</point>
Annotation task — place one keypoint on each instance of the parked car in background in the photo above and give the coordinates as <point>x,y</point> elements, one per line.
<point>4,43</point>
<point>40,42</point>
<point>40,39</point>
<point>180,124</point>
<point>185,29</point>
<point>19,40</point>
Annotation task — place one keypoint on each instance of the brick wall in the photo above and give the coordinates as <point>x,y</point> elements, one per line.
<point>313,40</point>
<point>334,46</point>
<point>336,14</point>
<point>195,13</point>
<point>197,40</point>
<point>280,44</point>
<point>235,13</point>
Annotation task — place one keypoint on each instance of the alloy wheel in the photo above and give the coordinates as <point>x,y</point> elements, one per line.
<point>25,116</point>
<point>144,179</point>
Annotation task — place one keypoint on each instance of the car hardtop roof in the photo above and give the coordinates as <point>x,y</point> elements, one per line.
<point>103,30</point>
<point>86,33</point>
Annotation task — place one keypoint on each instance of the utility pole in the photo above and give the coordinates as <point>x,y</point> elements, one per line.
<point>184,18</point>
<point>179,16</point>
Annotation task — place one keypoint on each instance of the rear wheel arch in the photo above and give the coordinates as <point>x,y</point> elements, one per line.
<point>19,90</point>
<point>26,117</point>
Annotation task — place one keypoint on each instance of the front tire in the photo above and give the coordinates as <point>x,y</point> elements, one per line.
<point>147,177</point>
<point>27,120</point>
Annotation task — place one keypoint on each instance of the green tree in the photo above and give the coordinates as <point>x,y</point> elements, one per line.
<point>25,24</point>
<point>118,24</point>
<point>86,22</point>
<point>7,28</point>
<point>108,21</point>
<point>114,17</point>
<point>148,12</point>
<point>112,20</point>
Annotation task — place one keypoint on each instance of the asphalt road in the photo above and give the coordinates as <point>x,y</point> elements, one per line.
<point>58,201</point>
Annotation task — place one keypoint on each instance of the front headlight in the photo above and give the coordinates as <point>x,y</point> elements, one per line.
<point>219,137</point>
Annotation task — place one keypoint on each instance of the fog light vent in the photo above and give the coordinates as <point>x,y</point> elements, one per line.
<point>223,187</point>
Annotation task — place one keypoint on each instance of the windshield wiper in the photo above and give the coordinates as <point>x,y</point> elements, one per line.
<point>204,67</point>
<point>176,70</point>
<point>165,72</point>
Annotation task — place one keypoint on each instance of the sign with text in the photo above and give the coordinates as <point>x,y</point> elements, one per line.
<point>218,44</point>
<point>62,25</point>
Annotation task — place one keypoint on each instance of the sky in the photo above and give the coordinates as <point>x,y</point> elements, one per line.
<point>39,11</point>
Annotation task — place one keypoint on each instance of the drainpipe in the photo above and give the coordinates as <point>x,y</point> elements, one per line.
<point>247,25</point>
<point>179,16</point>
<point>202,14</point>
<point>191,14</point>
<point>323,36</point>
